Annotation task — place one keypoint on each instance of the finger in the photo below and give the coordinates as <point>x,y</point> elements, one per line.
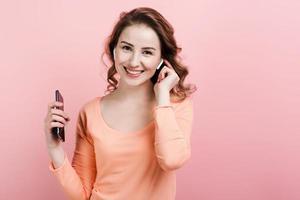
<point>160,75</point>
<point>56,124</point>
<point>54,104</point>
<point>165,71</point>
<point>58,119</point>
<point>60,113</point>
<point>170,69</point>
<point>168,64</point>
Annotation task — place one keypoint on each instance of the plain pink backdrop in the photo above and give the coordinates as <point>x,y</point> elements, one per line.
<point>244,57</point>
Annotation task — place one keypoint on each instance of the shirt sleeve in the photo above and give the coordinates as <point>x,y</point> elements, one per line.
<point>77,179</point>
<point>172,134</point>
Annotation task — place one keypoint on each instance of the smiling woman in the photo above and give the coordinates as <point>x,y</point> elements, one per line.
<point>130,142</point>
<point>145,32</point>
<point>136,53</point>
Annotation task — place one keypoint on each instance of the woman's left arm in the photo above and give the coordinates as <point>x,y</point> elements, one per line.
<point>173,127</point>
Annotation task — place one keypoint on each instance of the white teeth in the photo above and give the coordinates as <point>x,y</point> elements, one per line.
<point>133,72</point>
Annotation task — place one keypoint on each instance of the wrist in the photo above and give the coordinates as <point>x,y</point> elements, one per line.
<point>54,146</point>
<point>163,98</point>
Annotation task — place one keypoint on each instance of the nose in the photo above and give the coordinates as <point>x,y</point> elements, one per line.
<point>135,60</point>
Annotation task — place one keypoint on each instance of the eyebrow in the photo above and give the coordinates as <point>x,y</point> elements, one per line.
<point>133,45</point>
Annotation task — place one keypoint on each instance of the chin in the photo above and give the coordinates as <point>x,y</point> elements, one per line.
<point>138,81</point>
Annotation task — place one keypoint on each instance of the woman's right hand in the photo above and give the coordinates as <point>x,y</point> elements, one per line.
<point>54,118</point>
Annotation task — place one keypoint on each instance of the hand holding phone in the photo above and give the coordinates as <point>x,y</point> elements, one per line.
<point>158,69</point>
<point>59,132</point>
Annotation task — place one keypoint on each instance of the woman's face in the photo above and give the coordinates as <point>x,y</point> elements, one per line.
<point>137,54</point>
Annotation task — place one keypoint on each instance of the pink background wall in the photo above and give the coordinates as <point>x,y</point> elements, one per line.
<point>243,56</point>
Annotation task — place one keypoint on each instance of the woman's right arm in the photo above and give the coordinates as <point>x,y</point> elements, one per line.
<point>76,178</point>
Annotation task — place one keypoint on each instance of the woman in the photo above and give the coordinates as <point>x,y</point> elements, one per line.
<point>129,142</point>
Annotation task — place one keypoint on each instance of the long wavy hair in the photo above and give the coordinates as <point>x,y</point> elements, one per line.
<point>169,49</point>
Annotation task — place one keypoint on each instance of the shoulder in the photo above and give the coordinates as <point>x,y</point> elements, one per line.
<point>89,106</point>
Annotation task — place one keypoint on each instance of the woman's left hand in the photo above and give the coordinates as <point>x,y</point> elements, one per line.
<point>167,79</point>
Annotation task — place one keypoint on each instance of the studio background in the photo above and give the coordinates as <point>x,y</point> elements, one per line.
<point>243,57</point>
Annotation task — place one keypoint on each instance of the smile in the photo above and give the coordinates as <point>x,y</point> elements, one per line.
<point>133,74</point>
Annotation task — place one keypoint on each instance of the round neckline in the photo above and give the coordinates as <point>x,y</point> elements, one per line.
<point>99,112</point>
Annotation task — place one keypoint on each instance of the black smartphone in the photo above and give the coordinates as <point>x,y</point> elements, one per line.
<point>158,69</point>
<point>59,132</point>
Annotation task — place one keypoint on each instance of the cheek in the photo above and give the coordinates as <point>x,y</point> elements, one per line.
<point>151,65</point>
<point>122,57</point>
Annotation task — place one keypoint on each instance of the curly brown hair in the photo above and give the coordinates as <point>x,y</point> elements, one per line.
<point>169,49</point>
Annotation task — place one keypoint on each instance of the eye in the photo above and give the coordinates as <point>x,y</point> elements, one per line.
<point>148,52</point>
<point>126,48</point>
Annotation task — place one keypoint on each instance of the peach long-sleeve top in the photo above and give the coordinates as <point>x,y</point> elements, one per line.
<point>111,165</point>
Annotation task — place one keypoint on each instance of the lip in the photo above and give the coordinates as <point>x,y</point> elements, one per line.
<point>134,70</point>
<point>132,75</point>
